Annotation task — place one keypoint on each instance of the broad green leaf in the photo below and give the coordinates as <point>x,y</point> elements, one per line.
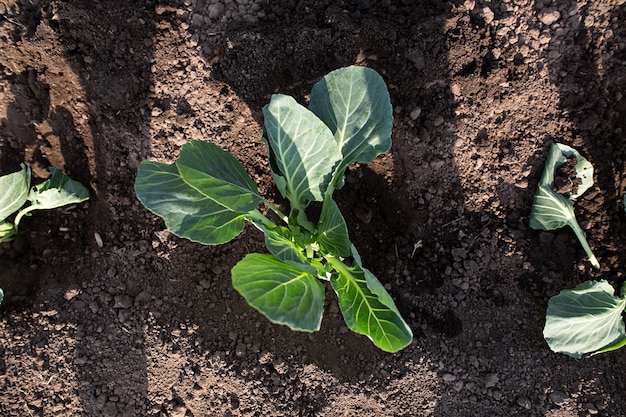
<point>354,103</point>
<point>302,151</point>
<point>216,174</point>
<point>552,210</point>
<point>367,308</point>
<point>332,231</point>
<point>7,231</point>
<point>1,295</point>
<point>587,319</point>
<point>187,212</point>
<point>13,191</point>
<point>282,293</point>
<point>58,190</point>
<point>373,283</point>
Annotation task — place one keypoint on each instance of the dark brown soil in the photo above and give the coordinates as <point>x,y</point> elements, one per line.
<point>148,324</point>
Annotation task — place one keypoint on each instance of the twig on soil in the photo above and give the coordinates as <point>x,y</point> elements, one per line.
<point>453,221</point>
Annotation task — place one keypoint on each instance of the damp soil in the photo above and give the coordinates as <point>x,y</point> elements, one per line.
<point>106,313</point>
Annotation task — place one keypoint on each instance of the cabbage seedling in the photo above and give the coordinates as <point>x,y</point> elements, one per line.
<point>15,191</point>
<point>207,196</point>
<point>58,190</point>
<point>587,319</point>
<point>552,210</point>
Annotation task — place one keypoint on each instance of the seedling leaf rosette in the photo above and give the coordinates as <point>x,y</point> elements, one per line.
<point>207,196</point>
<point>15,191</point>
<point>58,190</point>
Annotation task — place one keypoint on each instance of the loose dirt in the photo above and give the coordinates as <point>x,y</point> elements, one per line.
<point>108,314</point>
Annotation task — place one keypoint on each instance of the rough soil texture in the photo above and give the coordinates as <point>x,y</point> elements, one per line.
<point>147,324</point>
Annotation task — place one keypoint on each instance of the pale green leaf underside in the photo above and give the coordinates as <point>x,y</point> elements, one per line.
<point>354,103</point>
<point>281,292</point>
<point>58,190</point>
<point>584,320</point>
<point>302,151</point>
<point>557,156</point>
<point>7,231</point>
<point>332,231</point>
<point>187,212</point>
<point>13,192</point>
<point>368,314</point>
<point>552,210</point>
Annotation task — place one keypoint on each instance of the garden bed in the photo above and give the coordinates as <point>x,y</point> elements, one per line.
<point>107,313</point>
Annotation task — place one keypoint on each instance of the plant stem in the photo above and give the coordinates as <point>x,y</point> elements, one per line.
<point>276,211</point>
<point>256,217</point>
<point>337,264</point>
<point>21,214</point>
<point>580,234</point>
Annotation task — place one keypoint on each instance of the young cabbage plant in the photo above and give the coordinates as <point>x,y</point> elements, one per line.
<point>58,190</point>
<point>207,196</point>
<point>586,320</point>
<point>552,210</point>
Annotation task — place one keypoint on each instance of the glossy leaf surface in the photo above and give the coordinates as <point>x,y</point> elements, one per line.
<point>354,103</point>
<point>368,309</point>
<point>302,150</point>
<point>332,231</point>
<point>281,292</point>
<point>199,200</point>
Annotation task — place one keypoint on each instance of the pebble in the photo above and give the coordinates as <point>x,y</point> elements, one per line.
<point>216,10</point>
<point>549,17</point>
<point>592,409</point>
<point>558,397</point>
<point>123,301</point>
<point>179,411</point>
<point>523,402</point>
<point>448,378</point>
<point>415,113</point>
<point>491,380</point>
<point>488,15</point>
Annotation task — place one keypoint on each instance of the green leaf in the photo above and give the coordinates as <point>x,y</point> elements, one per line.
<point>367,308</point>
<point>13,191</point>
<point>58,190</point>
<point>218,175</point>
<point>7,231</point>
<point>187,212</point>
<point>1,295</point>
<point>282,293</point>
<point>302,151</point>
<point>332,231</point>
<point>204,196</point>
<point>552,210</point>
<point>280,242</point>
<point>354,103</point>
<point>587,319</point>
